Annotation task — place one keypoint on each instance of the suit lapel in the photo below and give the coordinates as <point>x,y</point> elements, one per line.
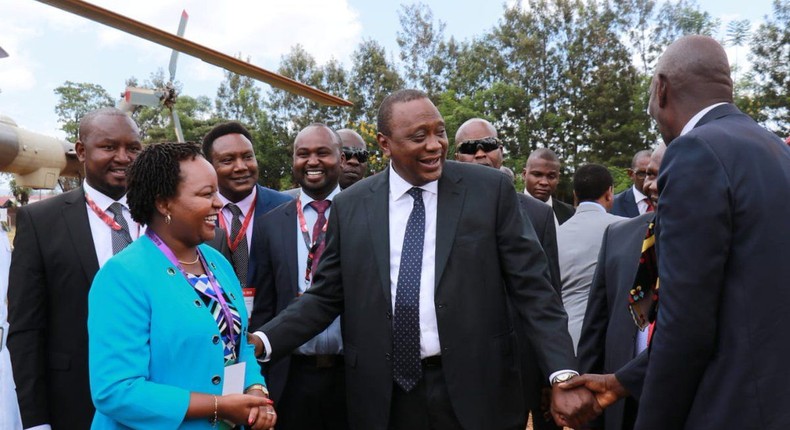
<point>288,240</point>
<point>377,208</point>
<point>448,212</point>
<point>78,226</point>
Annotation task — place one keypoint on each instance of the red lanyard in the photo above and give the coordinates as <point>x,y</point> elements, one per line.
<point>243,231</point>
<point>107,219</point>
<point>311,246</point>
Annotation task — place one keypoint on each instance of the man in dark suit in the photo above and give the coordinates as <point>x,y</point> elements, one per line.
<point>427,336</point>
<point>632,202</point>
<point>355,157</point>
<point>719,348</point>
<point>477,142</point>
<point>610,338</point>
<point>308,386</point>
<point>59,246</point>
<point>541,177</point>
<point>228,147</point>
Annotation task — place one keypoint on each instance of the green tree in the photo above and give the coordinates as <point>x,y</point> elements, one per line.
<point>75,99</point>
<point>770,57</point>
<point>373,77</point>
<point>421,41</point>
<point>238,98</point>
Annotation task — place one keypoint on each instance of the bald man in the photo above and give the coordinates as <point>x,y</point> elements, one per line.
<point>718,357</point>
<point>355,157</point>
<point>477,142</point>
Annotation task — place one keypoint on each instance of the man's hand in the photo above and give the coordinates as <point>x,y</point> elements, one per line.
<point>607,388</point>
<point>574,406</point>
<point>258,343</point>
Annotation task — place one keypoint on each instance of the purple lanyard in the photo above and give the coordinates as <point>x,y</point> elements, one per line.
<point>217,289</point>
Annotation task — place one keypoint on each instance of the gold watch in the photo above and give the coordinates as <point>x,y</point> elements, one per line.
<point>258,387</point>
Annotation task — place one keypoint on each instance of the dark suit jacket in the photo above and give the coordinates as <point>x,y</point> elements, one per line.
<point>485,256</point>
<point>563,210</point>
<point>624,204</point>
<point>268,199</point>
<point>609,333</point>
<point>718,357</point>
<point>52,267</point>
<point>275,279</point>
<point>542,219</point>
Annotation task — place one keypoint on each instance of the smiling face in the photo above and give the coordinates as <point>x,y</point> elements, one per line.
<point>195,206</point>
<point>316,161</point>
<point>234,160</point>
<point>108,146</point>
<point>417,146</point>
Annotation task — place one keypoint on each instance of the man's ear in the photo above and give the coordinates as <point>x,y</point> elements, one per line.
<point>79,148</point>
<point>384,143</point>
<point>662,89</point>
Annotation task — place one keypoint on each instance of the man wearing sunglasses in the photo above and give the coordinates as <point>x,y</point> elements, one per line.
<point>476,142</point>
<point>355,162</point>
<point>632,202</point>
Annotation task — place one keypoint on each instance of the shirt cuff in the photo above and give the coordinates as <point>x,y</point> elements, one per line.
<point>266,345</point>
<point>551,377</point>
<point>40,427</point>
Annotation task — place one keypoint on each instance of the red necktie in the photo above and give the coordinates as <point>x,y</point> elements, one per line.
<point>320,206</point>
<point>650,207</point>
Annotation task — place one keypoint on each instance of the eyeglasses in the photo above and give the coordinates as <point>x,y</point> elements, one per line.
<point>641,174</point>
<point>488,144</point>
<point>361,154</point>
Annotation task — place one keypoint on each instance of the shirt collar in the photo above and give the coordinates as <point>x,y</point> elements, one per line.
<point>101,200</point>
<point>399,186</point>
<point>593,205</point>
<point>305,199</point>
<point>638,195</point>
<point>244,204</point>
<point>548,202</point>
<point>695,119</point>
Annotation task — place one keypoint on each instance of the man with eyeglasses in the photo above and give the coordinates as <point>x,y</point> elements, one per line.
<point>477,142</point>
<point>355,162</point>
<point>632,202</point>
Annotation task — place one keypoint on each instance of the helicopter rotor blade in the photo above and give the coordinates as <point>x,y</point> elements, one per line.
<point>182,25</point>
<point>177,125</point>
<point>208,55</point>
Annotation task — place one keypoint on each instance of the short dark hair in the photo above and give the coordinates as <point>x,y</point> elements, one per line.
<point>156,173</point>
<point>219,130</point>
<point>544,154</point>
<point>591,181</point>
<point>385,110</point>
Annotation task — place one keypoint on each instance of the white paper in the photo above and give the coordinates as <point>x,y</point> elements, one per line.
<point>234,379</point>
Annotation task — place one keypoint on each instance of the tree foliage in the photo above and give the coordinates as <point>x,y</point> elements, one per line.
<point>75,99</point>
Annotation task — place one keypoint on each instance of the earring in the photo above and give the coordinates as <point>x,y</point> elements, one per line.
<point>168,219</point>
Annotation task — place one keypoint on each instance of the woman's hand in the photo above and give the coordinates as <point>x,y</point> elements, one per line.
<point>262,418</point>
<point>246,409</point>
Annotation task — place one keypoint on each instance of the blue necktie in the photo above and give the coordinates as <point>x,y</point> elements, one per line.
<point>406,323</point>
<point>120,238</point>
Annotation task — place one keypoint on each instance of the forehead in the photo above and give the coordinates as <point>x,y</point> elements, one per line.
<point>474,131</point>
<point>314,137</point>
<point>643,160</point>
<point>110,127</point>
<point>231,143</point>
<point>541,165</point>
<point>350,140</point>
<point>414,114</point>
<point>197,173</point>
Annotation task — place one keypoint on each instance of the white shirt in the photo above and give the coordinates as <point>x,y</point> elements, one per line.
<point>245,205</point>
<point>695,119</point>
<point>100,231</point>
<point>640,199</point>
<point>549,202</point>
<point>400,206</point>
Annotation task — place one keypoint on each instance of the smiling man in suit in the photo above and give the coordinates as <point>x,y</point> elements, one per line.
<point>59,246</point>
<point>308,386</point>
<point>228,147</point>
<point>720,338</point>
<point>427,336</point>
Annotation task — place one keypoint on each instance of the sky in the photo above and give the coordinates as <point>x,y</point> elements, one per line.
<point>47,46</point>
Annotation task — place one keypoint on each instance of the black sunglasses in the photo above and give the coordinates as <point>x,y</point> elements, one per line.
<point>361,154</point>
<point>488,144</point>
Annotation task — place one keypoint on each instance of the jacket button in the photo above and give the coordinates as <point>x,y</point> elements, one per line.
<point>216,380</point>
<point>440,306</point>
<point>387,356</point>
<point>389,315</point>
<point>215,339</point>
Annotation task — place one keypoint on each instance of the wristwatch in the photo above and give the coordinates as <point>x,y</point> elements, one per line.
<point>563,377</point>
<point>258,387</point>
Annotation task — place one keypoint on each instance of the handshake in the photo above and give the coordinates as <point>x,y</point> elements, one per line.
<point>578,401</point>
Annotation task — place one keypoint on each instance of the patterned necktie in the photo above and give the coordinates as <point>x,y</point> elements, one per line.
<point>320,206</point>
<point>406,324</point>
<point>239,256</point>
<point>120,238</point>
<point>650,207</point>
<point>643,297</point>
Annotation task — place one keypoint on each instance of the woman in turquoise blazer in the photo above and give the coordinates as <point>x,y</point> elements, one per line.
<point>159,337</point>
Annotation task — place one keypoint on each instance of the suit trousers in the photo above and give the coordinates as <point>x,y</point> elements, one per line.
<point>427,406</point>
<point>314,397</point>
